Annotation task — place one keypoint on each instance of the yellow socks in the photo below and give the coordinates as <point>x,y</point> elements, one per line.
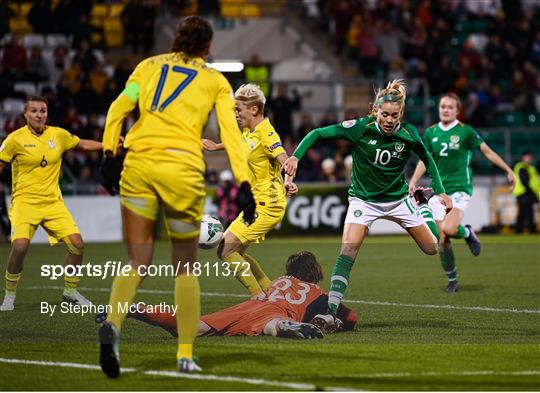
<point>260,275</point>
<point>122,293</point>
<point>246,277</point>
<point>187,297</point>
<point>70,284</point>
<point>12,280</point>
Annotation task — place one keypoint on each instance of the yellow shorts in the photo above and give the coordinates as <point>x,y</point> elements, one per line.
<point>54,217</point>
<point>266,219</point>
<point>170,177</point>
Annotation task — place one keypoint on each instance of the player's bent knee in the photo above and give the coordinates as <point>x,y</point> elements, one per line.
<point>431,249</point>
<point>74,245</point>
<point>20,246</point>
<point>449,230</point>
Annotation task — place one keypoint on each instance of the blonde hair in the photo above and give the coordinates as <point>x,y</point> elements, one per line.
<point>395,91</point>
<point>250,94</point>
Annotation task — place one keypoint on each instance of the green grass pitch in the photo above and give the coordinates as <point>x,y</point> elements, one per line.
<point>411,335</point>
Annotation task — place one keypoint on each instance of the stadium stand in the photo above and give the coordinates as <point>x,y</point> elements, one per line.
<point>490,56</point>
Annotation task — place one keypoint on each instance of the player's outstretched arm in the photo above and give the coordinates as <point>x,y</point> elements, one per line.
<point>118,111</point>
<point>417,175</point>
<point>210,145</point>
<point>288,182</point>
<point>497,160</point>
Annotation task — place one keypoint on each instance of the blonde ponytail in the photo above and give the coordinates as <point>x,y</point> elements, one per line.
<point>395,91</point>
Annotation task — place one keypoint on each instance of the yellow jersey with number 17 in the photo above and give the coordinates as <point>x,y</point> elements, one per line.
<point>35,162</point>
<point>175,95</point>
<point>263,145</point>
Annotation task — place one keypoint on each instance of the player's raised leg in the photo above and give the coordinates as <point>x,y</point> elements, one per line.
<point>453,228</point>
<point>19,248</point>
<point>230,250</point>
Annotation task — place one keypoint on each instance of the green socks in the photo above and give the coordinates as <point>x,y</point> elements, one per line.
<point>448,263</point>
<point>462,232</point>
<point>426,213</point>
<point>340,281</point>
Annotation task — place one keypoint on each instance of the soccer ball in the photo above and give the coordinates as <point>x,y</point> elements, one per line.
<point>211,232</point>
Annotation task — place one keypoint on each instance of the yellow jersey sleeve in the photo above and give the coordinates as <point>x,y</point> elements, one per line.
<point>67,139</point>
<point>272,143</point>
<point>229,131</point>
<point>7,149</point>
<point>120,109</point>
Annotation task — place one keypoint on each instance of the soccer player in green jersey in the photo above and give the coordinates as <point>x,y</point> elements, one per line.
<point>452,145</point>
<point>381,146</point>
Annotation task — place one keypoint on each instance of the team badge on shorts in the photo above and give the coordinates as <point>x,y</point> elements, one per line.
<point>357,213</point>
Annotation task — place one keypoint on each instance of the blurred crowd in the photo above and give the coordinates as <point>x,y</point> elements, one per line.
<point>487,51</point>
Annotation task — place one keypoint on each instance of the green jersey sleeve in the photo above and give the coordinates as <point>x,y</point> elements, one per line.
<point>349,130</point>
<point>422,152</point>
<point>474,139</point>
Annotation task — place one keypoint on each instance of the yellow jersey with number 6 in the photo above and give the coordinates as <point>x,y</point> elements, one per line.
<point>35,162</point>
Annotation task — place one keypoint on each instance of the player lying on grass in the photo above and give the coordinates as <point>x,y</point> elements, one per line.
<point>286,310</point>
<point>35,153</point>
<point>381,146</point>
<point>265,155</point>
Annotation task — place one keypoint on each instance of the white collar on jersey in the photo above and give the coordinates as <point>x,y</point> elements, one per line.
<point>396,128</point>
<point>449,126</point>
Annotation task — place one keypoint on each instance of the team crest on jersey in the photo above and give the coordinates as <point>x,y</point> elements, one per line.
<point>348,123</point>
<point>454,142</point>
<point>399,146</point>
<point>51,144</point>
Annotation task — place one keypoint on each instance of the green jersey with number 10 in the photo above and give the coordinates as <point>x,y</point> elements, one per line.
<point>452,150</point>
<point>378,159</point>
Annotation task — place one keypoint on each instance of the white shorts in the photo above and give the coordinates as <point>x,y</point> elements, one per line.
<point>460,200</point>
<point>404,212</point>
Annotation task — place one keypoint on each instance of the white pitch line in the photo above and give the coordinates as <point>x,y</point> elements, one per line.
<point>206,377</point>
<point>442,374</point>
<point>368,302</point>
<point>59,364</point>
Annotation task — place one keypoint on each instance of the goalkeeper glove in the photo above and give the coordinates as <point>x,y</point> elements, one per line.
<point>246,202</point>
<point>110,170</point>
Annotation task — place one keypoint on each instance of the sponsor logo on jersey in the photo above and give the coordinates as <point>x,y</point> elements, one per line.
<point>434,139</point>
<point>399,146</point>
<point>372,142</point>
<point>51,143</point>
<point>271,133</point>
<point>348,123</point>
<point>25,145</point>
